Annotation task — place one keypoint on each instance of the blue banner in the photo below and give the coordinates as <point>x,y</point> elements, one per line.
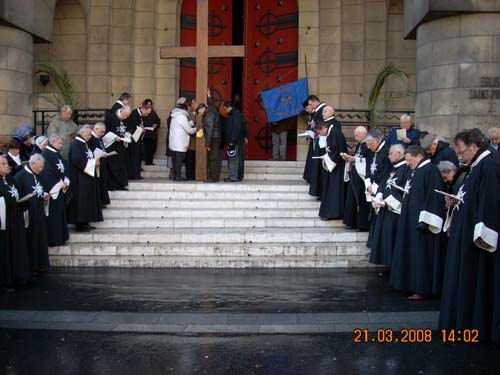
<point>285,101</point>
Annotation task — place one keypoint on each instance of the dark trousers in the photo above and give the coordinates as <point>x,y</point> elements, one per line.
<point>150,146</point>
<point>178,160</point>
<point>191,165</point>
<point>241,161</point>
<point>214,163</point>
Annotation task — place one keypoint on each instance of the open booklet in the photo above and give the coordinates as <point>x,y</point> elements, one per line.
<point>137,134</point>
<point>149,128</point>
<point>328,163</point>
<point>401,134</point>
<point>99,154</point>
<point>457,197</point>
<point>307,133</point>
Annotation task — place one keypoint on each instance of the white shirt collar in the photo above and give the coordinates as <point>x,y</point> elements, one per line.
<point>424,163</point>
<point>121,103</point>
<point>17,158</point>
<point>80,139</point>
<point>480,157</point>
<point>52,149</point>
<point>397,165</point>
<point>94,134</point>
<point>139,111</point>
<point>330,129</point>
<point>321,105</point>
<point>27,169</point>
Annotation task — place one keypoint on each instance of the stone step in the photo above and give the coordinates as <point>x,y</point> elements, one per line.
<point>209,195</point>
<point>246,185</point>
<point>212,250</point>
<point>218,204</point>
<point>200,214</point>
<point>262,170</point>
<point>250,176</point>
<point>256,163</point>
<point>234,236</point>
<point>209,262</point>
<point>214,222</point>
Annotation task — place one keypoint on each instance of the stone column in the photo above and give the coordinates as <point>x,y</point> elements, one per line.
<point>458,73</point>
<point>16,69</point>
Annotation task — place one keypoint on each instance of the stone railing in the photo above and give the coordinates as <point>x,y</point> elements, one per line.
<point>43,117</point>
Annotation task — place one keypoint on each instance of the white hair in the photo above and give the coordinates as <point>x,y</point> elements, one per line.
<point>83,128</point>
<point>66,108</point>
<point>35,158</point>
<point>41,139</point>
<point>446,166</point>
<point>398,147</point>
<point>55,137</point>
<point>329,108</point>
<point>123,109</point>
<point>373,134</point>
<point>361,129</point>
<point>405,117</point>
<point>99,125</point>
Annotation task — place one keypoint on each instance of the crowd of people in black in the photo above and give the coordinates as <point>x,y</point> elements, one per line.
<point>432,212</point>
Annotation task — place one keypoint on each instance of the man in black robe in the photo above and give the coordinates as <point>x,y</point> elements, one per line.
<point>419,251</point>
<point>471,288</point>
<point>55,181</point>
<point>135,126</point>
<point>387,205</point>
<point>97,146</point>
<point>117,139</point>
<point>333,190</point>
<point>318,148</point>
<point>85,207</point>
<point>357,208</point>
<point>311,134</point>
<point>123,101</point>
<point>35,215</point>
<point>152,124</point>
<point>14,260</point>
<point>438,150</point>
<point>378,167</point>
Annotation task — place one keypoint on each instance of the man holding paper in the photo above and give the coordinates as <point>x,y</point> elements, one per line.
<point>420,246</point>
<point>97,146</point>
<point>333,190</point>
<point>405,135</point>
<point>471,287</point>
<point>35,214</point>
<point>85,207</point>
<point>356,207</point>
<point>117,139</point>
<point>55,180</point>
<point>388,204</point>
<point>135,126</point>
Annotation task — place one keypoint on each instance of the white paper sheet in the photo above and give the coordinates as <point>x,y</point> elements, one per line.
<point>109,139</point>
<point>90,167</point>
<point>137,134</point>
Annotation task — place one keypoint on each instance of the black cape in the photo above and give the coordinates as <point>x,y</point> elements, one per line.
<point>54,172</point>
<point>357,208</point>
<point>20,269</point>
<point>96,143</point>
<point>334,187</point>
<point>85,207</point>
<point>315,180</point>
<point>386,225</point>
<point>307,167</point>
<point>36,233</point>
<point>419,254</point>
<point>134,148</point>
<point>117,164</point>
<point>378,167</point>
<point>471,288</point>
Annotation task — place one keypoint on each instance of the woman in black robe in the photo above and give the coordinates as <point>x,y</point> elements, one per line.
<point>357,209</point>
<point>14,230</point>
<point>97,143</point>
<point>55,180</point>
<point>471,287</point>
<point>389,208</point>
<point>333,191</point>
<point>419,251</point>
<point>12,153</point>
<point>114,140</point>
<point>28,183</point>
<point>85,207</point>
<point>150,140</point>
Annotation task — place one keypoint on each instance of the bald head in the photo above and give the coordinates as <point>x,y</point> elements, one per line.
<point>360,133</point>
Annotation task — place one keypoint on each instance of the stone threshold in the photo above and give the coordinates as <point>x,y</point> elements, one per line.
<point>215,323</point>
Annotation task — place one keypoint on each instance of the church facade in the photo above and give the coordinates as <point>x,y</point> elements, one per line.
<point>451,56</point>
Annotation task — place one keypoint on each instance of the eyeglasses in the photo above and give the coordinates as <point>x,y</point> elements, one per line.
<point>463,151</point>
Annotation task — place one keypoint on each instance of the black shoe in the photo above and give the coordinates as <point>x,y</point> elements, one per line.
<point>230,180</point>
<point>83,228</point>
<point>324,219</point>
<point>210,180</point>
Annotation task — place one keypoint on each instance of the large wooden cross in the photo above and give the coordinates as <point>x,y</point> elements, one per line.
<point>202,52</point>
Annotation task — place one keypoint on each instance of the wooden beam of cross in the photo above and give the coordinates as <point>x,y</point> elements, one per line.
<point>201,52</point>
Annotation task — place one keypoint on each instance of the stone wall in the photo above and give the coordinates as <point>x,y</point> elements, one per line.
<point>16,66</point>
<point>458,73</point>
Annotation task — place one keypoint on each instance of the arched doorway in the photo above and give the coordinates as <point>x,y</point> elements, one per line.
<point>269,30</point>
<point>68,50</point>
